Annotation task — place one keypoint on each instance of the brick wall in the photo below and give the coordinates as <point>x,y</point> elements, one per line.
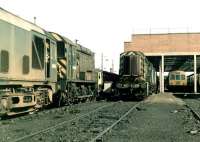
<point>172,42</point>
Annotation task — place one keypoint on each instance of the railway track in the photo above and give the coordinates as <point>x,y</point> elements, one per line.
<point>91,126</point>
<point>36,113</point>
<point>100,135</point>
<point>193,120</point>
<point>24,138</point>
<point>13,129</point>
<point>194,109</point>
<point>195,113</point>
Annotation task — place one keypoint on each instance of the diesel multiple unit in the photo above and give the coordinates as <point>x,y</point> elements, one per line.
<point>38,68</point>
<point>177,81</point>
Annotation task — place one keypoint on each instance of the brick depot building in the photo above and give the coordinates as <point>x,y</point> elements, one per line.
<point>166,51</point>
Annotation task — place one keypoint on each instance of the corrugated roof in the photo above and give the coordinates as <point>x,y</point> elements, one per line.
<point>78,47</point>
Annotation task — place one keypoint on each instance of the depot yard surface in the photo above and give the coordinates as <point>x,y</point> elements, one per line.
<point>14,129</point>
<point>159,118</point>
<point>163,118</point>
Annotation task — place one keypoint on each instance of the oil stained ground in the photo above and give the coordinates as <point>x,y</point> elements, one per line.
<point>163,118</point>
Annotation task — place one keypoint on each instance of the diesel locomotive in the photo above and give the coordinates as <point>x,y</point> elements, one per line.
<point>40,68</point>
<point>137,76</point>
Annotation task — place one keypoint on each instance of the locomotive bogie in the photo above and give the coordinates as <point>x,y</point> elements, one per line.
<point>17,102</point>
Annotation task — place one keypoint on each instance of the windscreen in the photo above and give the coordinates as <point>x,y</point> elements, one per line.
<point>135,65</point>
<point>131,65</point>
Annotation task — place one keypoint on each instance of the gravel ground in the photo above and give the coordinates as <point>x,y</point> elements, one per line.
<point>164,121</point>
<point>161,118</point>
<point>84,129</point>
<point>194,103</point>
<point>18,127</point>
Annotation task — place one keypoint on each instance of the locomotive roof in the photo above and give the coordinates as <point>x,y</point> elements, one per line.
<point>49,35</point>
<point>58,37</point>
<point>78,47</point>
<point>128,53</point>
<point>18,21</point>
<point>84,50</point>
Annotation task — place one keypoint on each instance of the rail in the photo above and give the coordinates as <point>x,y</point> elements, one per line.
<point>114,124</point>
<point>195,114</point>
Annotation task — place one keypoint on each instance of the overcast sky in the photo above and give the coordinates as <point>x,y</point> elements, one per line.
<point>104,25</point>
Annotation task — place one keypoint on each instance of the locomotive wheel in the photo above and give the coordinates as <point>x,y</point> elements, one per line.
<point>50,95</point>
<point>59,99</point>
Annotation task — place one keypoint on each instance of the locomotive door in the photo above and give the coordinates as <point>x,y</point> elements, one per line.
<point>48,57</point>
<point>38,56</point>
<point>50,61</point>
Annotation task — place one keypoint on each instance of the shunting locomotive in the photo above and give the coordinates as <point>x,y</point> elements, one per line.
<point>137,76</point>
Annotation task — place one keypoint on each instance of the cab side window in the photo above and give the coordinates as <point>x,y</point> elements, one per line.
<point>37,53</point>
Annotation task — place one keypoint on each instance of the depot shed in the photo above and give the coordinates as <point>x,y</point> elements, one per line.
<point>169,51</point>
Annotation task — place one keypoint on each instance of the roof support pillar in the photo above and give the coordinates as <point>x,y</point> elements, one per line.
<point>195,73</point>
<point>161,74</point>
<point>160,78</point>
<point>162,69</point>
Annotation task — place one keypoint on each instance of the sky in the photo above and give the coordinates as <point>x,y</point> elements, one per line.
<point>104,25</point>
